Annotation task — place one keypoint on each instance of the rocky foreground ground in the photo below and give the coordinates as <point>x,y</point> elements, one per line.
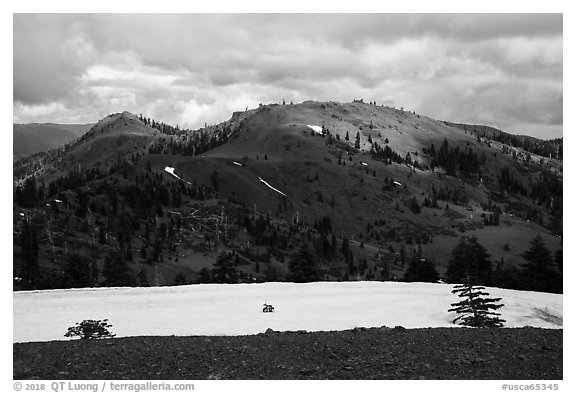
<point>375,353</point>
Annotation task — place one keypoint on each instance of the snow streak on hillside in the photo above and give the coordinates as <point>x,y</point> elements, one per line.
<point>270,187</point>
<point>170,170</point>
<point>236,309</point>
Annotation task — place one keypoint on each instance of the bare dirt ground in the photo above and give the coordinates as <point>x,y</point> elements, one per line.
<point>375,353</point>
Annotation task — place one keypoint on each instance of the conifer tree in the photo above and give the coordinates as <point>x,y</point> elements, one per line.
<point>345,246</point>
<point>30,192</point>
<point>180,279</point>
<point>204,277</point>
<point>421,270</point>
<point>538,274</point>
<point>469,259</point>
<point>78,270</point>
<point>224,271</point>
<point>475,309</point>
<point>333,244</point>
<point>558,259</point>
<point>414,205</point>
<point>94,273</point>
<point>116,271</point>
<point>214,179</point>
<point>30,250</point>
<point>303,267</point>
<point>142,278</point>
<point>271,274</point>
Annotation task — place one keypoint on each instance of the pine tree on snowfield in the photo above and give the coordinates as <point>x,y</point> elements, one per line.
<point>475,309</point>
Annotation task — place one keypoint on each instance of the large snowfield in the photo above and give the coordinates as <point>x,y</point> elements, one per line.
<point>236,309</point>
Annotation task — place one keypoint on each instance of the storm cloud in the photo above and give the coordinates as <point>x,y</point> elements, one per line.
<point>190,69</point>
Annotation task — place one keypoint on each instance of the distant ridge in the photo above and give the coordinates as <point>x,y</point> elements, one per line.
<point>37,137</point>
<point>551,148</point>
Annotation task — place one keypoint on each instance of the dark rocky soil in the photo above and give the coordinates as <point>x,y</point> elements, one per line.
<point>376,353</point>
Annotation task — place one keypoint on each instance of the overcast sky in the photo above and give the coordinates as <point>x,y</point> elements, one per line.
<point>499,70</point>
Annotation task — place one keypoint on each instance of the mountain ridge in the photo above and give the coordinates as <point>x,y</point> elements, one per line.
<point>391,185</point>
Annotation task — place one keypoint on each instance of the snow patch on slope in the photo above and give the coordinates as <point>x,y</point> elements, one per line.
<point>170,170</point>
<point>236,309</point>
<point>317,129</point>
